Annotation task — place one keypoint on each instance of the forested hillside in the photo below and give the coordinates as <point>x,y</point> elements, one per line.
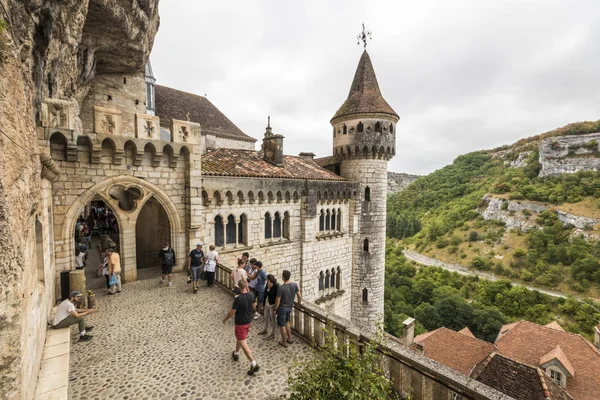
<point>440,215</point>
<point>493,211</point>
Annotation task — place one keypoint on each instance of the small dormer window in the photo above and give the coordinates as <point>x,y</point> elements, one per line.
<point>558,377</point>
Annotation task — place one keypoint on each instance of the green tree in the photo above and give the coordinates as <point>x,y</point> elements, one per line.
<point>427,315</point>
<point>487,322</point>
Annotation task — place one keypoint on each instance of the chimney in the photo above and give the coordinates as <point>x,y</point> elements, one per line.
<point>272,147</point>
<point>420,348</point>
<point>597,336</point>
<point>408,332</point>
<point>307,155</point>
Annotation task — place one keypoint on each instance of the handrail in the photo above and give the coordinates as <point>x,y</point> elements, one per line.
<point>411,373</point>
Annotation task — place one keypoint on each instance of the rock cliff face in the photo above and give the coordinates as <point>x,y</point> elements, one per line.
<point>569,154</point>
<point>398,181</point>
<point>48,49</point>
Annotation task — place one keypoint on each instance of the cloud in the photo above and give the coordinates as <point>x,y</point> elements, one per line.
<point>463,75</point>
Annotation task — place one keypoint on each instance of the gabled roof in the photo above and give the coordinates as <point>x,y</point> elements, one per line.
<point>175,104</point>
<point>518,380</point>
<point>527,343</point>
<point>466,331</point>
<point>364,96</point>
<point>326,161</point>
<point>456,350</point>
<point>557,354</point>
<point>250,164</point>
<point>554,325</point>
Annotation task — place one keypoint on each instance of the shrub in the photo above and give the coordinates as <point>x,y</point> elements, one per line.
<point>473,236</point>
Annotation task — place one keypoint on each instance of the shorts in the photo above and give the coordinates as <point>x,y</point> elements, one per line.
<point>167,269</point>
<point>261,297</point>
<point>284,314</point>
<point>196,273</point>
<point>241,331</point>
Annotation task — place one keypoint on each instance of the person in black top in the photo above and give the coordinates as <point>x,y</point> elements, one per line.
<point>195,264</point>
<point>270,296</point>
<point>167,255</point>
<point>243,307</point>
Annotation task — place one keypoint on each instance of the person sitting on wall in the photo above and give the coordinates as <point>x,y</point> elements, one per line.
<point>67,315</point>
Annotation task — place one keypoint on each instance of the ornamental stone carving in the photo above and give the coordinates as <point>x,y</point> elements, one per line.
<point>185,132</point>
<point>107,121</point>
<point>147,127</point>
<point>58,114</point>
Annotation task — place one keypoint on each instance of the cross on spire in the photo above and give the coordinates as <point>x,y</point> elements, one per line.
<point>364,36</point>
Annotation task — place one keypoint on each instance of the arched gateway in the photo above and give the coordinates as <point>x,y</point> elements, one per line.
<point>127,196</point>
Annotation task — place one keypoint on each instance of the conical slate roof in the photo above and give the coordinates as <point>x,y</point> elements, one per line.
<point>364,96</point>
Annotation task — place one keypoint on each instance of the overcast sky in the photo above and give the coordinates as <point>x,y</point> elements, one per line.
<point>462,75</point>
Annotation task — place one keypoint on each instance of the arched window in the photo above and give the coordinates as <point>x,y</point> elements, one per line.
<point>327,277</point>
<point>333,220</point>
<point>58,147</point>
<point>338,279</point>
<point>322,221</point>
<point>391,128</point>
<point>268,226</point>
<point>230,229</point>
<point>243,230</point>
<point>39,251</point>
<point>219,234</point>
<point>366,245</point>
<point>327,220</point>
<point>344,129</point>
<point>378,127</point>
<point>277,225</point>
<point>367,194</point>
<point>360,128</point>
<point>130,153</point>
<point>339,219</point>
<point>321,283</point>
<point>332,285</point>
<point>365,297</point>
<point>286,225</point>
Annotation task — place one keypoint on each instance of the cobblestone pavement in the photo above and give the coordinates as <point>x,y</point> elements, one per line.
<point>154,342</point>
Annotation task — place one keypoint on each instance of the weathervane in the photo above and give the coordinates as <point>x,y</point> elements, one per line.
<point>364,35</point>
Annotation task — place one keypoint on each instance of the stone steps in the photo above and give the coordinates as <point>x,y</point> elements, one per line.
<point>53,379</point>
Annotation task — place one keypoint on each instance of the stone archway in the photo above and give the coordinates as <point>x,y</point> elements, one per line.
<point>111,191</point>
<point>152,230</point>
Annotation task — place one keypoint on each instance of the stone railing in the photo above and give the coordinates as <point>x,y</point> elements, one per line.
<point>412,374</point>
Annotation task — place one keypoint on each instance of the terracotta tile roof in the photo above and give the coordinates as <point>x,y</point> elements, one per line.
<point>456,350</point>
<point>176,104</point>
<point>559,355</point>
<point>249,163</point>
<point>364,96</point>
<point>518,380</point>
<point>527,342</point>
<point>326,161</point>
<point>466,331</point>
<point>554,325</point>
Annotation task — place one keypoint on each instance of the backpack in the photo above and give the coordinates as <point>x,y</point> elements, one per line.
<point>168,257</point>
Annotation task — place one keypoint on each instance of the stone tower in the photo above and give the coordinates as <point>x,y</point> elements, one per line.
<point>364,140</point>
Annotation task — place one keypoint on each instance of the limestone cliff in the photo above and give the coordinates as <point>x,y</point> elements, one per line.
<point>398,181</point>
<point>48,49</point>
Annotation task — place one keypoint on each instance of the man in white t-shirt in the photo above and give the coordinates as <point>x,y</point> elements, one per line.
<point>67,315</point>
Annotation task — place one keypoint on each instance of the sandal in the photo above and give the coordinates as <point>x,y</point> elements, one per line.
<point>283,344</point>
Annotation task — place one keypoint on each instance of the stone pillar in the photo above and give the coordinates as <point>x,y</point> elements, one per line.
<point>237,230</point>
<point>77,282</point>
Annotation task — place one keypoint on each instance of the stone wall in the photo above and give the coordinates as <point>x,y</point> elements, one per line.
<point>569,154</point>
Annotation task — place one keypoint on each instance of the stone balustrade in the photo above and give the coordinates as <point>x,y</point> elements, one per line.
<point>411,373</point>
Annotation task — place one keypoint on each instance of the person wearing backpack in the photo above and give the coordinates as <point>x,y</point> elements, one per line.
<point>167,255</point>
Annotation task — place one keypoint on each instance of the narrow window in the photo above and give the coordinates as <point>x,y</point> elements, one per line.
<point>327,220</point>
<point>219,236</point>
<point>339,219</point>
<point>230,230</point>
<point>365,297</point>
<point>327,276</point>
<point>267,226</point>
<point>39,251</point>
<point>391,128</point>
<point>332,279</point>
<point>344,129</point>
<point>321,283</point>
<point>286,225</point>
<point>360,128</point>
<point>378,127</point>
<point>338,279</point>
<point>333,219</point>
<point>367,194</point>
<point>366,245</point>
<point>322,221</point>
<point>242,229</point>
<point>277,225</point>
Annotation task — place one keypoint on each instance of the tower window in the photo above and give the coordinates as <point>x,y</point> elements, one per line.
<point>360,128</point>
<point>344,129</point>
<point>366,245</point>
<point>367,194</point>
<point>391,128</point>
<point>365,295</point>
<point>378,127</point>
